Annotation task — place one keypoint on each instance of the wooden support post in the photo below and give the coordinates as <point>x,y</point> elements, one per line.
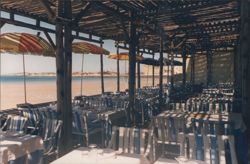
<point>241,94</point>
<point>138,72</point>
<point>172,65</point>
<point>153,73</point>
<point>132,63</point>
<point>102,79</point>
<point>192,76</point>
<point>138,75</point>
<point>168,69</point>
<point>184,57</point>
<point>161,73</point>
<point>209,67</point>
<point>118,69</point>
<point>64,74</point>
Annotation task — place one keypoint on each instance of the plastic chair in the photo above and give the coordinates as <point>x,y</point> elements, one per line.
<point>51,136</point>
<point>79,128</point>
<point>15,123</point>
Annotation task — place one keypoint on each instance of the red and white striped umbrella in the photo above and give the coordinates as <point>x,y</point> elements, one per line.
<point>23,43</point>
<point>88,48</point>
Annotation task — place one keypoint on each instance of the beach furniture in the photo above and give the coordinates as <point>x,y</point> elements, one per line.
<point>133,141</point>
<point>208,148</point>
<point>19,148</point>
<point>100,156</point>
<point>51,133</point>
<point>34,119</point>
<point>79,128</point>
<point>15,123</point>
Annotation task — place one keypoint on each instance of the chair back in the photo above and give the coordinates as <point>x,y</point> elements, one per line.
<point>51,131</point>
<point>130,140</point>
<point>34,119</point>
<point>79,126</point>
<point>208,148</point>
<point>16,123</point>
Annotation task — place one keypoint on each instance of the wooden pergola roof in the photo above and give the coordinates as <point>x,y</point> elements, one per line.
<point>200,24</point>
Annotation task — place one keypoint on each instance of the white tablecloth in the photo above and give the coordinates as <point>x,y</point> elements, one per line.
<point>109,156</point>
<point>14,147</point>
<point>168,161</point>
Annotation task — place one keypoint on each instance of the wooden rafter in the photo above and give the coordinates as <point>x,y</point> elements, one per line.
<point>83,11</point>
<point>45,4</point>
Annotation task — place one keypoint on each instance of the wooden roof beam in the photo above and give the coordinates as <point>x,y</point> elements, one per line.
<point>38,27</point>
<point>110,12</point>
<point>78,17</point>
<point>50,39</point>
<point>46,6</point>
<point>168,8</point>
<point>156,29</point>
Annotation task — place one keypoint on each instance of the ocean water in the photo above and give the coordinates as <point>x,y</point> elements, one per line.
<point>17,79</point>
<point>43,89</point>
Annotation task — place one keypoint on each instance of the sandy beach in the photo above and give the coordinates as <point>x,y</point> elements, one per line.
<point>45,91</point>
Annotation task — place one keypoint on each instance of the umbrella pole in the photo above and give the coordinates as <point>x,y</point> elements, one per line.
<point>24,81</point>
<point>126,79</point>
<point>118,70</point>
<point>82,72</point>
<point>0,82</point>
<point>102,79</point>
<point>153,73</point>
<point>147,74</point>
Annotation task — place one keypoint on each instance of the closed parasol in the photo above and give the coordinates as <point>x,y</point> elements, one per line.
<point>150,61</point>
<point>169,62</point>
<point>25,44</point>
<point>88,48</point>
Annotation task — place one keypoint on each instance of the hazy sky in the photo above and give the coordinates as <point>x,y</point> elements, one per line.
<point>13,63</point>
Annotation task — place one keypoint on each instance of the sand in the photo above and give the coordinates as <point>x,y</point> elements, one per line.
<point>39,92</point>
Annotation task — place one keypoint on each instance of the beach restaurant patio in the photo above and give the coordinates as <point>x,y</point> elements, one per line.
<point>200,117</point>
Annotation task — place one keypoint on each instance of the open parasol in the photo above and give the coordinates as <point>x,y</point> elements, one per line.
<point>88,48</point>
<point>25,44</point>
<point>124,56</point>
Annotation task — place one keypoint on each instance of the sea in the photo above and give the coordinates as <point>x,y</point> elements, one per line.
<point>42,89</point>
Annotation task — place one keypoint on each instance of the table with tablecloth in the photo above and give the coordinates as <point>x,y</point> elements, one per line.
<point>101,156</point>
<point>18,148</point>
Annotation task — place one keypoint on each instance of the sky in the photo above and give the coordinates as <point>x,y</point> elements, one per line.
<point>11,64</point>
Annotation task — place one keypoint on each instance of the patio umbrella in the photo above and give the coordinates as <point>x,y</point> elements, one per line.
<point>88,48</point>
<point>150,61</point>
<point>123,56</point>
<point>168,62</point>
<point>25,44</point>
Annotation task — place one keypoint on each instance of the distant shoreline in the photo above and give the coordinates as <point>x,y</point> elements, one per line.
<point>76,74</point>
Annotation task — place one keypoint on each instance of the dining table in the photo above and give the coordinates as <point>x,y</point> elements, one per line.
<point>16,148</point>
<point>101,156</point>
